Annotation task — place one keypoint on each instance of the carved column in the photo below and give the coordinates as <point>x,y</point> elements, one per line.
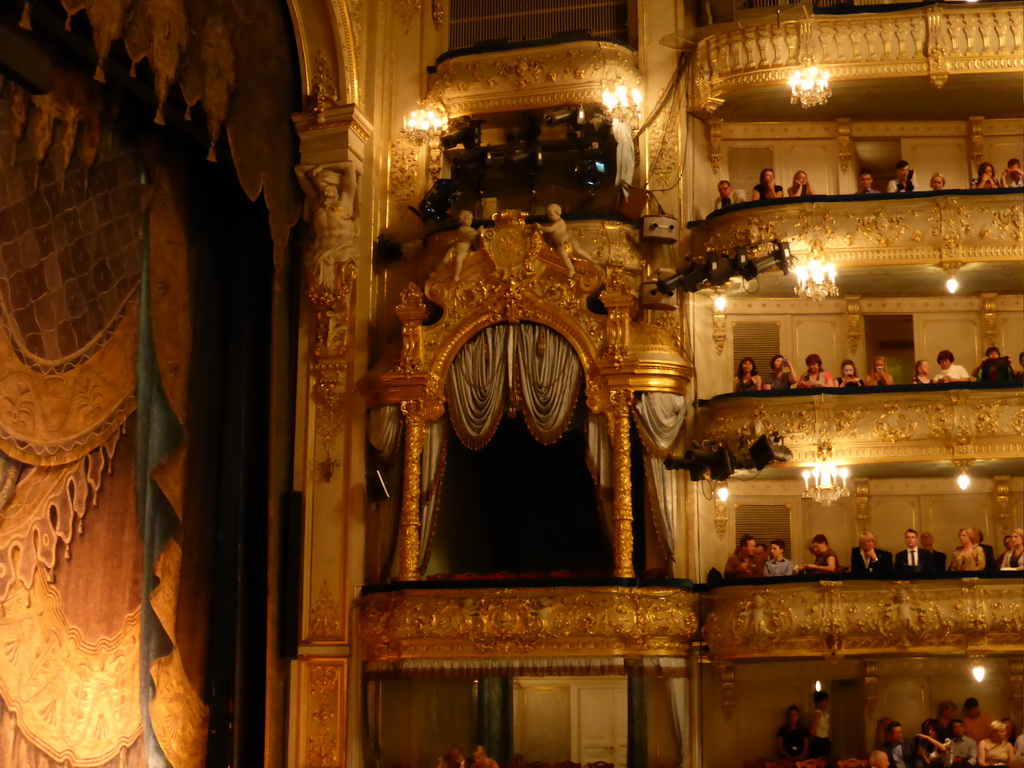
<point>1001,504</point>
<point>844,142</point>
<point>1016,690</point>
<point>862,498</point>
<point>977,142</point>
<point>870,688</point>
<point>409,523</point>
<point>989,318</point>
<point>715,143</point>
<point>727,674</point>
<point>622,519</point>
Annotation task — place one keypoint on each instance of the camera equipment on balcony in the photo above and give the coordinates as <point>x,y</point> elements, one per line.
<point>689,279</point>
<point>763,451</point>
<point>468,135</point>
<point>437,202</point>
<point>716,462</point>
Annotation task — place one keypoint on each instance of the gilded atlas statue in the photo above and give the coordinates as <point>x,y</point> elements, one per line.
<point>330,210</point>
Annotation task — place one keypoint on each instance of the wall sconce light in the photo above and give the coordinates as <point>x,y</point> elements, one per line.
<point>951,268</point>
<point>979,673</point>
<point>424,123</point>
<point>722,492</point>
<point>622,103</point>
<point>963,480</point>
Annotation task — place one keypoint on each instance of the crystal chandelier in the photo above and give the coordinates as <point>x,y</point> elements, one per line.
<point>622,103</point>
<point>425,123</point>
<point>816,280</point>
<point>825,482</point>
<point>809,86</point>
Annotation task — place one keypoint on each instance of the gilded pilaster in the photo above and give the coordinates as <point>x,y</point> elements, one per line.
<point>409,524</point>
<point>1001,503</point>
<point>854,324</point>
<point>622,522</point>
<point>715,143</point>
<point>1016,690</point>
<point>862,498</point>
<point>990,318</point>
<point>845,142</point>
<point>977,127</point>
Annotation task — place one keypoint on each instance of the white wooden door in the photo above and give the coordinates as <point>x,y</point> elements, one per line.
<point>600,722</point>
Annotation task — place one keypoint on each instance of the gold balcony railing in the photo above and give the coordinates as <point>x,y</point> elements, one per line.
<point>539,622</point>
<point>936,41</point>
<point>533,77</point>
<point>867,231</point>
<point>881,425</point>
<point>865,618</point>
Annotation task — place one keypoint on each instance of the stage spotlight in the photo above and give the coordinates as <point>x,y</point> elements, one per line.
<point>589,174</point>
<point>689,279</point>
<point>716,462</point>
<point>478,157</point>
<point>764,451</point>
<point>782,255</point>
<point>570,115</point>
<point>744,265</point>
<point>437,202</point>
<point>468,136</point>
<point>721,272</point>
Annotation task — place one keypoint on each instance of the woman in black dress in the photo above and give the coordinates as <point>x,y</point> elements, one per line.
<point>792,739</point>
<point>767,189</point>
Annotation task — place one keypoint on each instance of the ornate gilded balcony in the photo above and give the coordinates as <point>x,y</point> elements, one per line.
<point>966,227</point>
<point>532,77</point>
<point>938,423</point>
<point>862,617</point>
<point>936,41</point>
<point>403,630</point>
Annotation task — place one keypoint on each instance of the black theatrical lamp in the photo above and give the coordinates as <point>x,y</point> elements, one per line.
<point>765,450</point>
<point>717,462</point>
<point>477,157</point>
<point>437,202</point>
<point>689,279</point>
<point>721,272</point>
<point>468,136</point>
<point>783,257</point>
<point>589,174</point>
<point>570,115</point>
<point>745,266</point>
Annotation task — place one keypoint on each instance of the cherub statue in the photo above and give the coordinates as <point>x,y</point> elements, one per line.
<point>466,236</point>
<point>330,209</point>
<point>558,235</point>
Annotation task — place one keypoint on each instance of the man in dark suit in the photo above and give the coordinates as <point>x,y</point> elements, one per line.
<point>991,564</point>
<point>866,559</point>
<point>900,753</point>
<point>913,559</point>
<point>938,558</point>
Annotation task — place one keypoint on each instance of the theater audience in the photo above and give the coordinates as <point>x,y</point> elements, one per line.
<point>1012,176</point>
<point>878,759</point>
<point>849,377</point>
<point>930,750</point>
<point>792,740</point>
<point>948,371</point>
<point>865,182</point>
<point>938,565</point>
<point>913,559</point>
<point>899,753</point>
<point>904,181</point>
<point>986,177</point>
<point>969,556</point>
<point>777,564</point>
<point>801,186</point>
<point>766,188</point>
<point>921,373</point>
<point>815,376</point>
<point>866,559</point>
<point>977,723</point>
<point>1018,746</point>
<point>880,729</point>
<point>453,758</point>
<point>946,709</point>
<point>780,376</point>
<point>1013,559</point>
<point>481,760</point>
<point>825,559</point>
<point>728,196</point>
<point>991,564</point>
<point>879,376</point>
<point>995,750</point>
<point>994,367</point>
<point>746,379</point>
<point>938,182</point>
<point>821,726</point>
<point>963,748</point>
<point>743,563</point>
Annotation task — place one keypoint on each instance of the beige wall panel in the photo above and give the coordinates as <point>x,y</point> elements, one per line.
<point>543,716</point>
<point>1011,336</point>
<point>905,699</point>
<point>818,334</point>
<point>948,156</point>
<point>959,333</point>
<point>816,158</point>
<point>944,515</point>
<point>999,149</point>
<point>890,517</point>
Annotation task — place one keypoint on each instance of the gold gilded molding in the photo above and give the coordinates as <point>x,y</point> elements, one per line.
<point>621,403</point>
<point>409,522</point>
<point>865,618</point>
<point>1001,503</point>
<point>715,143</point>
<point>858,233</point>
<point>553,621</point>
<point>325,725</point>
<point>76,701</point>
<point>845,143</point>
<point>862,500</point>
<point>325,615</point>
<point>532,78</point>
<point>721,517</point>
<point>932,42</point>
<point>879,427</point>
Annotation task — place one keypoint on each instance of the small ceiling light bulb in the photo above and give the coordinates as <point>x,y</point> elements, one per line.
<point>817,686</point>
<point>720,303</point>
<point>952,285</point>
<point>963,480</point>
<point>979,673</point>
<point>722,493</point>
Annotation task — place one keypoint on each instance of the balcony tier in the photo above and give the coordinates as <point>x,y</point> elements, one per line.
<point>902,424</point>
<point>499,627</point>
<point>866,617</point>
<point>979,50</point>
<point>532,77</point>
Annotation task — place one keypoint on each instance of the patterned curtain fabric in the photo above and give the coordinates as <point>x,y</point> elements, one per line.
<point>599,462</point>
<point>660,417</point>
<point>431,474</point>
<point>549,379</point>
<point>384,431</point>
<point>478,386</point>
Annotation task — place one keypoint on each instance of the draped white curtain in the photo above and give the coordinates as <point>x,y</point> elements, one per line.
<point>599,462</point>
<point>478,386</point>
<point>679,693</point>
<point>625,158</point>
<point>384,431</point>
<point>549,377</point>
<point>435,443</point>
<point>660,417</point>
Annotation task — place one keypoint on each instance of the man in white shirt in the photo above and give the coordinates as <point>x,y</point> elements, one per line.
<point>948,370</point>
<point>904,181</point>
<point>964,749</point>
<point>728,196</point>
<point>913,559</point>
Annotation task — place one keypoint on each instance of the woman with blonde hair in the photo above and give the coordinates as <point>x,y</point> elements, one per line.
<point>969,556</point>
<point>996,750</point>
<point>1013,559</point>
<point>879,376</point>
<point>801,186</point>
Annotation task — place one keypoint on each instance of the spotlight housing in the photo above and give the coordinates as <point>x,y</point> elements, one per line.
<point>716,462</point>
<point>437,202</point>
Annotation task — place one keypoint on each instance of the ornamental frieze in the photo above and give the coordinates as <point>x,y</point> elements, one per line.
<point>865,617</point>
<point>554,621</point>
